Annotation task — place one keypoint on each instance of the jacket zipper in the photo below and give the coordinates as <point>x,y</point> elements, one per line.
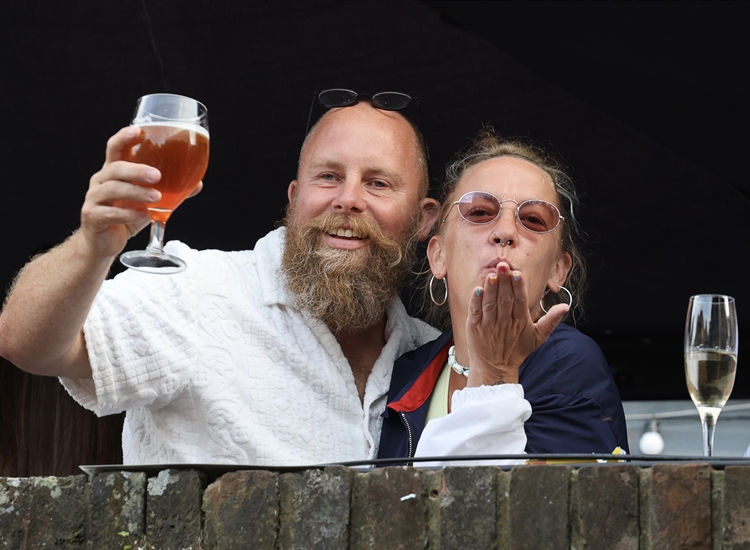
<point>408,432</point>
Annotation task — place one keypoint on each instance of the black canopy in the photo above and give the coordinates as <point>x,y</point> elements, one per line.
<point>646,102</point>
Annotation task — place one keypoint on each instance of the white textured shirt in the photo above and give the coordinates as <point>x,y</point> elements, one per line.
<point>214,365</point>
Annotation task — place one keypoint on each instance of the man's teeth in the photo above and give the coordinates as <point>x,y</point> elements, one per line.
<point>347,233</point>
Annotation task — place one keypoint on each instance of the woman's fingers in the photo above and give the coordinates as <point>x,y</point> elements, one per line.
<point>548,323</point>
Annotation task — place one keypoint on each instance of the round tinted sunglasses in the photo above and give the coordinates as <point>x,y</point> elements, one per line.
<point>535,215</point>
<point>341,97</point>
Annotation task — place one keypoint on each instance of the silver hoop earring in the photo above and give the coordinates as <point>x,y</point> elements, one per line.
<point>432,296</point>
<point>570,299</point>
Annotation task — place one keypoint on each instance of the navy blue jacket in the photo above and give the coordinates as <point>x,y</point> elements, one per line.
<point>575,405</point>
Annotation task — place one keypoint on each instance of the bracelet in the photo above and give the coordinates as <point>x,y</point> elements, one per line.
<point>452,363</point>
<point>460,369</point>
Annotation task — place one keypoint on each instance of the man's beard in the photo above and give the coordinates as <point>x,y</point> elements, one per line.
<point>349,290</point>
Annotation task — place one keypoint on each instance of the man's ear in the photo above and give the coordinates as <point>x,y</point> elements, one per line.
<point>560,272</point>
<point>291,190</point>
<point>436,257</point>
<point>427,217</point>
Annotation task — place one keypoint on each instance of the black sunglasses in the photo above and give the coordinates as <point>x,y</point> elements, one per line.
<point>341,97</point>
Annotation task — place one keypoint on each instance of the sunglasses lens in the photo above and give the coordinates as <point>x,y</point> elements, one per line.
<point>538,216</point>
<point>337,97</point>
<point>391,101</point>
<point>479,207</point>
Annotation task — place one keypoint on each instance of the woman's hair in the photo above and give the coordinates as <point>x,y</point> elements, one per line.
<point>488,145</point>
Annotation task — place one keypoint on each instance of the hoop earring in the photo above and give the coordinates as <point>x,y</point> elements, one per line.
<point>570,299</point>
<point>432,296</point>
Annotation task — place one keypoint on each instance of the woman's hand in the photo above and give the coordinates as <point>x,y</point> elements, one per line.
<point>500,331</point>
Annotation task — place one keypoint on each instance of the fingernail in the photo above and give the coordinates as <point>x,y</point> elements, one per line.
<point>154,195</point>
<point>478,291</point>
<point>493,279</point>
<point>133,131</point>
<point>503,269</point>
<point>516,278</point>
<point>152,175</point>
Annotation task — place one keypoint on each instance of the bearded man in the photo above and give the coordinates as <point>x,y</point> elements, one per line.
<point>274,356</point>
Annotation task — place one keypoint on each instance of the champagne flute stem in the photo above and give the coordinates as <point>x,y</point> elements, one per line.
<point>709,424</point>
<point>156,240</point>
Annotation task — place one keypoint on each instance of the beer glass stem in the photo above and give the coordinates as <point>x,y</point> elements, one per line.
<point>709,423</point>
<point>156,240</point>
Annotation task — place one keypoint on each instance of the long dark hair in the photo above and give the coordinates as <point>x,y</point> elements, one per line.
<point>43,432</point>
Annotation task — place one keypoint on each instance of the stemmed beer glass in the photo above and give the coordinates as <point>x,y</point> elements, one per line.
<point>711,342</point>
<point>174,139</point>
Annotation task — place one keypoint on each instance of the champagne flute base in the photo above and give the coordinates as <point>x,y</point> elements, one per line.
<point>152,261</point>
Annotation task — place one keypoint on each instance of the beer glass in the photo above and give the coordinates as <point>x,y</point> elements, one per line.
<point>711,342</point>
<point>174,139</point>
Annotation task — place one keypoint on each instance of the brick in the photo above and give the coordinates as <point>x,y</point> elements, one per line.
<point>503,509</point>
<point>57,512</point>
<point>380,518</point>
<point>538,507</point>
<point>679,507</point>
<point>242,511</point>
<point>604,507</point>
<point>717,508</point>
<point>736,508</point>
<point>14,510</point>
<point>173,509</point>
<point>117,505</point>
<point>314,509</point>
<point>468,507</point>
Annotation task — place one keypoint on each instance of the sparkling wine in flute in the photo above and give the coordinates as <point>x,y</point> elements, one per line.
<point>174,139</point>
<point>710,377</point>
<point>711,342</point>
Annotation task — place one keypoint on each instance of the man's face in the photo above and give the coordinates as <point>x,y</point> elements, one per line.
<point>354,217</point>
<point>361,162</point>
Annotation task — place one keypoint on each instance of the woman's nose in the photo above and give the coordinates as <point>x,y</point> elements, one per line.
<point>504,230</point>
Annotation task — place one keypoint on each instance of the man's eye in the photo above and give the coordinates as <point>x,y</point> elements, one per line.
<point>328,177</point>
<point>379,184</point>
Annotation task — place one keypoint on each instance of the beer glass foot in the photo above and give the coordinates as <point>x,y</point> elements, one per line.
<point>152,261</point>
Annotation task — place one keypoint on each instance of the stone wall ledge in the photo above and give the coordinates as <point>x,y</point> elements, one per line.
<point>536,507</point>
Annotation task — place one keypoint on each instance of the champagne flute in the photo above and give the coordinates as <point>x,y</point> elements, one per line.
<point>711,342</point>
<point>174,139</point>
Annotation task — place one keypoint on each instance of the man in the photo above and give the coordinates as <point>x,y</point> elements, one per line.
<point>279,355</point>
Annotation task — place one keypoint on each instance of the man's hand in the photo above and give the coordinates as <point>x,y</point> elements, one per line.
<point>115,207</point>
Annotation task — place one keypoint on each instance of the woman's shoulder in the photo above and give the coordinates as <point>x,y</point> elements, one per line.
<point>569,362</point>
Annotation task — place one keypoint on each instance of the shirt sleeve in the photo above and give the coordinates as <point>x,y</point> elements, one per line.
<point>139,338</point>
<point>487,420</point>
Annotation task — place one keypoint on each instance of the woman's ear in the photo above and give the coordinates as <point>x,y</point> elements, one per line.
<point>436,257</point>
<point>560,272</point>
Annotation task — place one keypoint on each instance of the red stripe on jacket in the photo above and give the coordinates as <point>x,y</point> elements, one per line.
<point>422,388</point>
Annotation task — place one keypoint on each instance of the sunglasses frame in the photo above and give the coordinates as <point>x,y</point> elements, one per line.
<point>560,217</point>
<point>355,99</point>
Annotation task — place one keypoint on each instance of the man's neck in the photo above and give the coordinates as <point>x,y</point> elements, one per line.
<point>362,349</point>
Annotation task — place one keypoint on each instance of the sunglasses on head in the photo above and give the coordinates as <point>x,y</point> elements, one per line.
<point>534,215</point>
<point>341,97</point>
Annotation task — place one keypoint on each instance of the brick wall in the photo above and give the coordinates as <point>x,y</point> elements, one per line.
<point>686,506</point>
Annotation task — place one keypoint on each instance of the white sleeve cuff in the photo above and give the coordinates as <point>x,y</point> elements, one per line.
<point>486,420</point>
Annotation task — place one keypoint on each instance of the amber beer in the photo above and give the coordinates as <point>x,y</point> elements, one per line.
<point>180,152</point>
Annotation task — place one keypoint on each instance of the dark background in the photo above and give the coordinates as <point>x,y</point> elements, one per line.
<point>646,102</point>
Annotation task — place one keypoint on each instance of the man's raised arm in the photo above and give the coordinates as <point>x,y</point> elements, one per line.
<point>42,321</point>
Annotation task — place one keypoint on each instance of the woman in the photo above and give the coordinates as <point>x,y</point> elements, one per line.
<point>503,249</point>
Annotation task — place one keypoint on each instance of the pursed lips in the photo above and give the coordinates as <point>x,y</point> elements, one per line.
<point>493,264</point>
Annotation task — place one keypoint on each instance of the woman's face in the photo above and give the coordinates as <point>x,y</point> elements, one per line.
<point>466,253</point>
